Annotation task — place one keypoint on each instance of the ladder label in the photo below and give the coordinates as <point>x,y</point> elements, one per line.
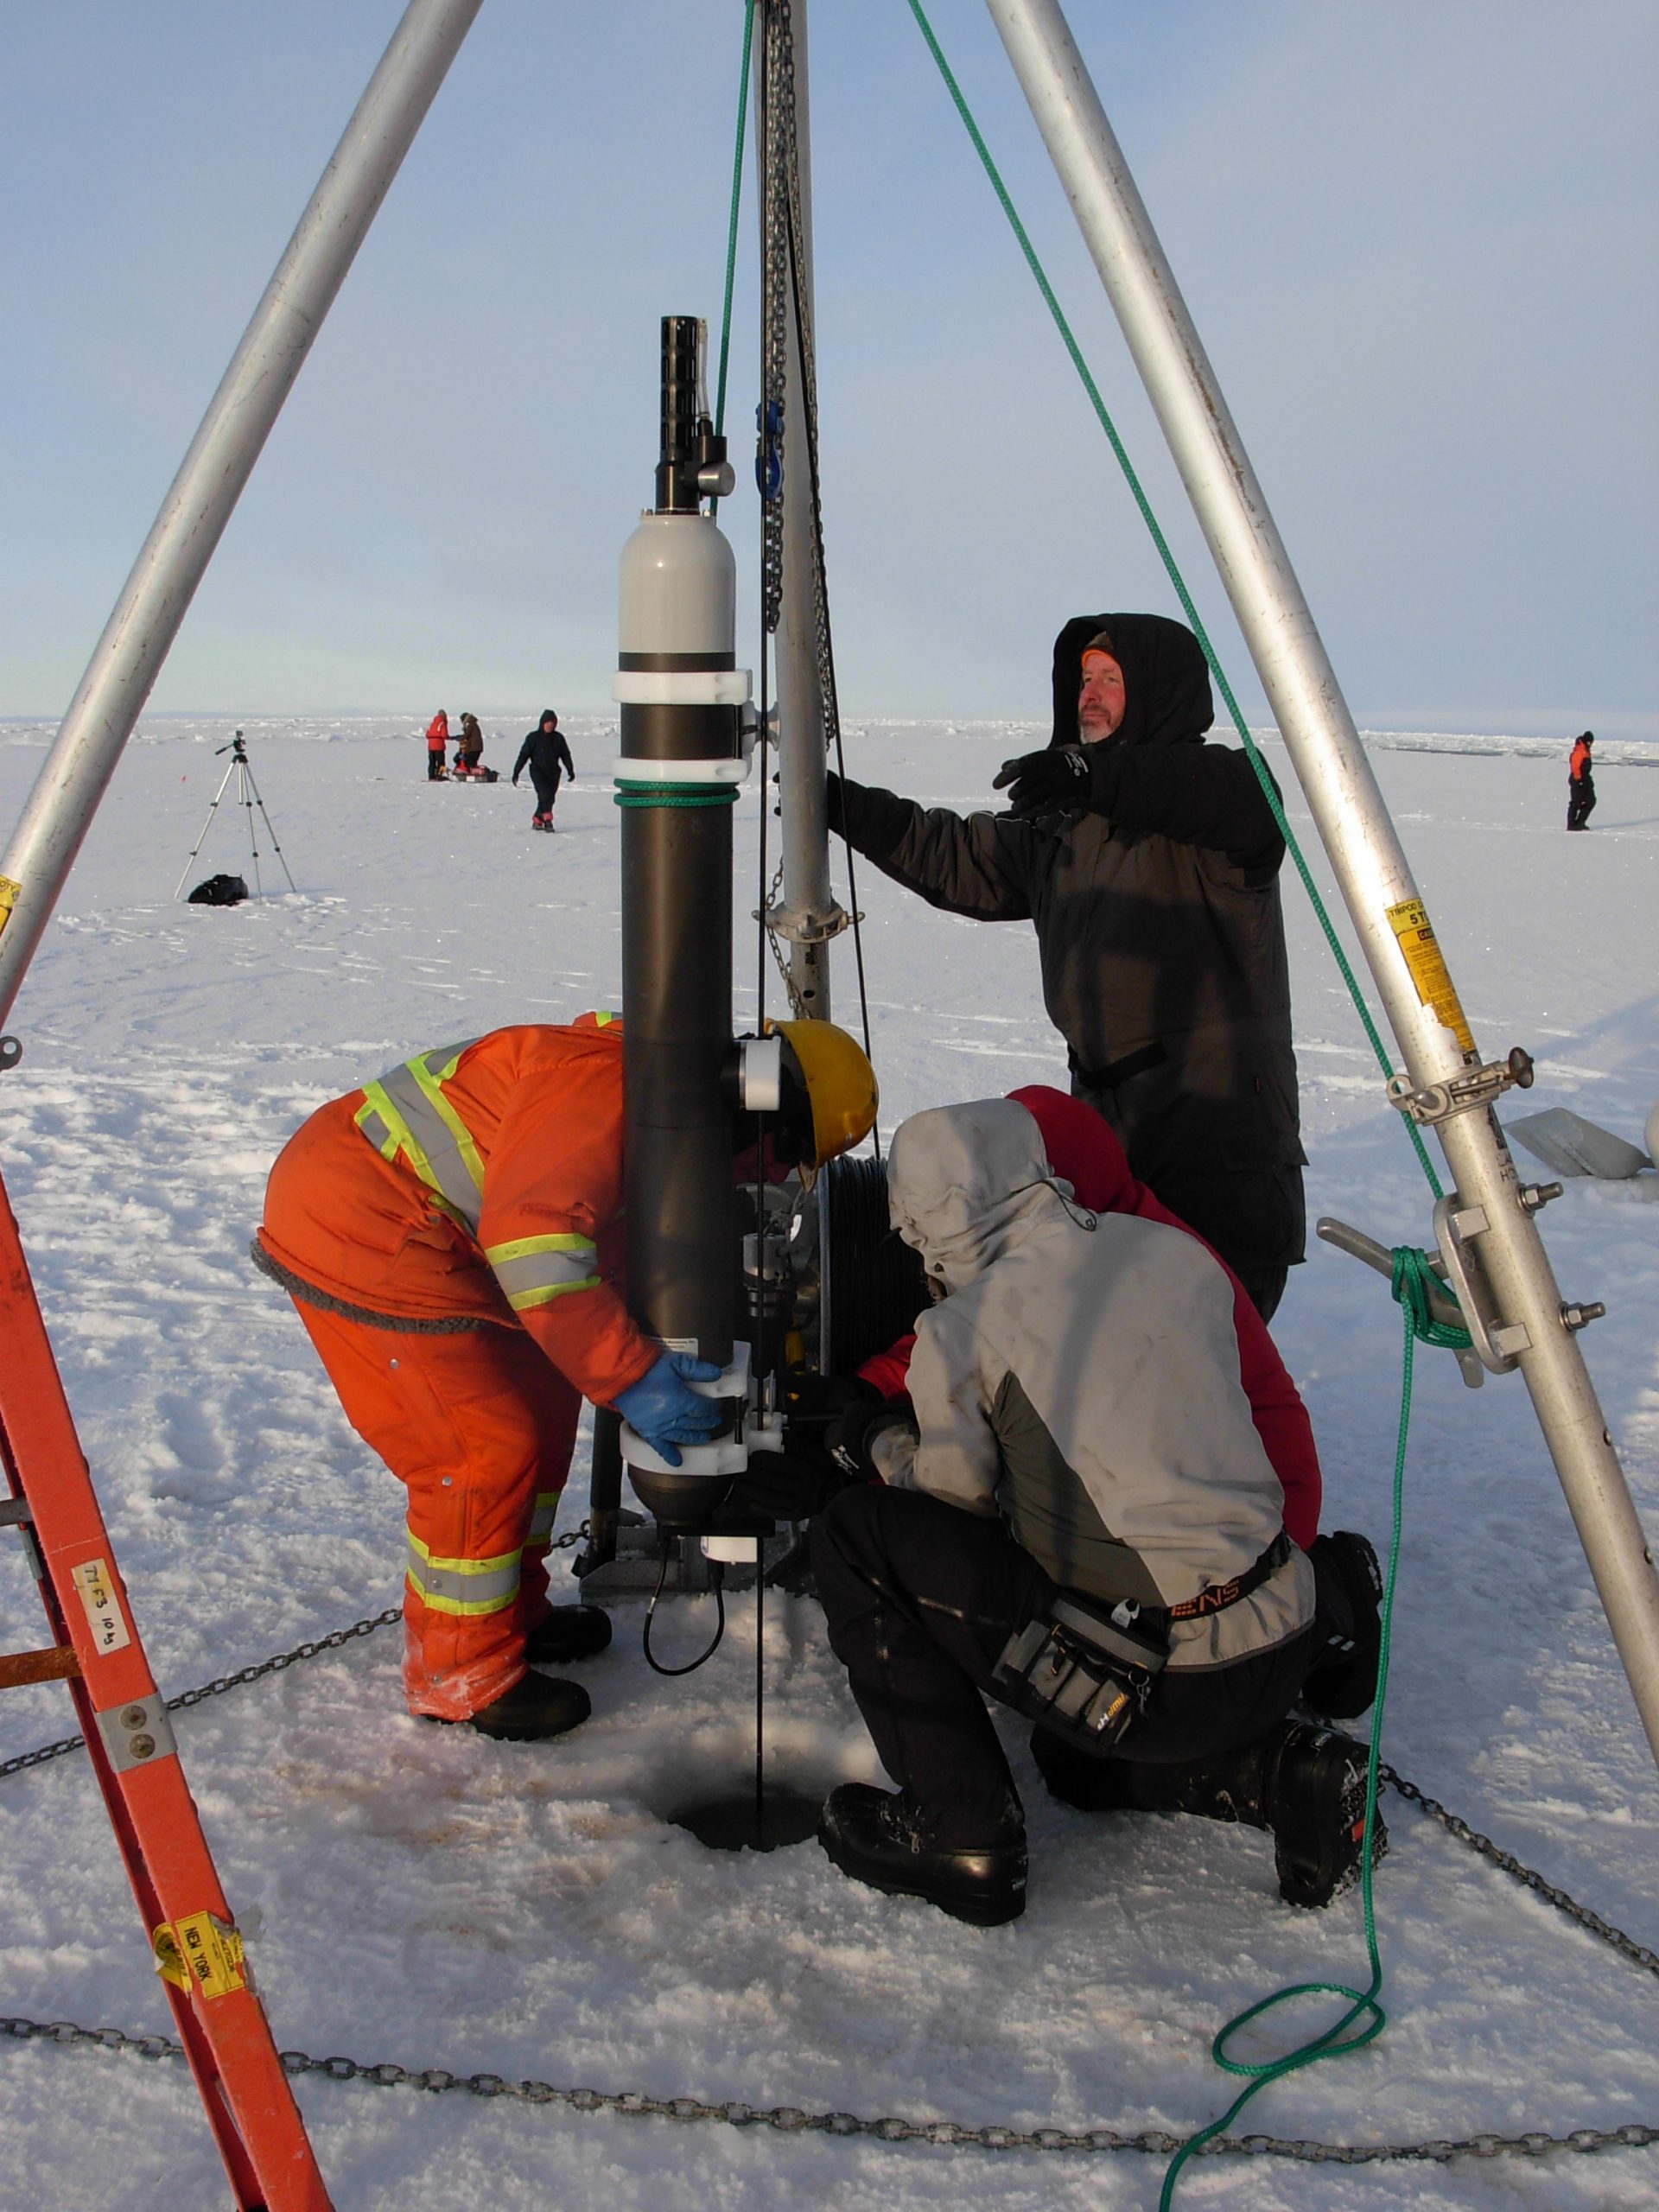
<point>10,888</point>
<point>109,1630</point>
<point>1416,933</point>
<point>199,1953</point>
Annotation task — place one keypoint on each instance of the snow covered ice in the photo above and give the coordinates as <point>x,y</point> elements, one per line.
<point>437,1900</point>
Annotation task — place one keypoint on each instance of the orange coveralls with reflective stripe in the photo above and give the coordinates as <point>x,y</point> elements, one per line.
<point>477,1423</point>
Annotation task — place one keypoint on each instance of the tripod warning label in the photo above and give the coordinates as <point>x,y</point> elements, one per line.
<point>1416,932</point>
<point>103,1609</point>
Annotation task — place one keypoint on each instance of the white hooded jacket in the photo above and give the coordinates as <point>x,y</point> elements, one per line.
<point>1081,1378</point>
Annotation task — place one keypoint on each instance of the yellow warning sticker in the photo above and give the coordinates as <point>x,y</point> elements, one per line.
<point>103,1609</point>
<point>1412,927</point>
<point>10,888</point>
<point>206,1955</point>
<point>169,1964</point>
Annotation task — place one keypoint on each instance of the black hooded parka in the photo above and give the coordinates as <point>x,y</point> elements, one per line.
<point>1155,898</point>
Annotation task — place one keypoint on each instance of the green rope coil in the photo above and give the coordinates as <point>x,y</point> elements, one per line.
<point>1263,773</point>
<point>1412,1281</point>
<point>677,795</point>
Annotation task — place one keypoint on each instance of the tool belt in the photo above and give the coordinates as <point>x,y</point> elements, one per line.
<point>1085,1672</point>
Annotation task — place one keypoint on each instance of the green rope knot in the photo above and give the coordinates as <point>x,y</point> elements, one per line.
<point>677,795</point>
<point>1413,1281</point>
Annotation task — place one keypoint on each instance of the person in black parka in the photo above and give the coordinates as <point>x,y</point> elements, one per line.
<point>1149,860</point>
<point>547,756</point>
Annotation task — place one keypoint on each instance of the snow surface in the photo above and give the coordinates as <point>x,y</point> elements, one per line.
<point>435,1899</point>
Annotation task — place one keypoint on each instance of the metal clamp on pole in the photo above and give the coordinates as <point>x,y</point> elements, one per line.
<point>1498,1345</point>
<point>1441,1308</point>
<point>1463,1093</point>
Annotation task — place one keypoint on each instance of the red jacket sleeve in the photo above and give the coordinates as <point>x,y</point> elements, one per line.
<point>888,1372</point>
<point>1083,1150</point>
<point>552,1185</point>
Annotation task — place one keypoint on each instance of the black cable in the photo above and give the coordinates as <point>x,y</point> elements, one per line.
<point>717,1578</point>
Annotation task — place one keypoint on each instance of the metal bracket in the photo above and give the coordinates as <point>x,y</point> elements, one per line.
<point>1497,1344</point>
<point>137,1733</point>
<point>1441,1308</point>
<point>1462,1093</point>
<point>806,928</point>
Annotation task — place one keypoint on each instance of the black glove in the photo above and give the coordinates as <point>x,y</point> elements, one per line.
<point>1061,777</point>
<point>850,1436</point>
<point>788,1485</point>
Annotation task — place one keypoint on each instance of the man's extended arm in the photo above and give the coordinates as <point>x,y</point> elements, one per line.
<point>980,867</point>
<point>1206,795</point>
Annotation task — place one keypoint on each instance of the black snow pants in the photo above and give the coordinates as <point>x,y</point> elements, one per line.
<point>547,789</point>
<point>1580,801</point>
<point>920,1597</point>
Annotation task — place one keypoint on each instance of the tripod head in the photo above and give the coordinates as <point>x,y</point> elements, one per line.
<point>236,748</point>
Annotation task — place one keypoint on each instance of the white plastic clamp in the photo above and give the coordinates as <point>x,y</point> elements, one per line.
<point>681,687</point>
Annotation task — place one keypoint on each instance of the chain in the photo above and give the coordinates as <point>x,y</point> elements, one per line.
<point>221,1683</point>
<point>794,2119</point>
<point>791,990</point>
<point>790,2120</point>
<point>776,132</point>
<point>1627,1946</point>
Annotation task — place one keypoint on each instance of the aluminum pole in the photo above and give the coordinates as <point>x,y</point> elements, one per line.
<point>133,649</point>
<point>1349,811</point>
<point>808,915</point>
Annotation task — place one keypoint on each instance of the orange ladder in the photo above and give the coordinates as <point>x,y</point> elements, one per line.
<point>96,1649</point>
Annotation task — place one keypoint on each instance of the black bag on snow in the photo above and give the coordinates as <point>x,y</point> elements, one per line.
<point>219,891</point>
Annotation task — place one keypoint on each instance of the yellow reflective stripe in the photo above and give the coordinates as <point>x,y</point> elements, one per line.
<point>521,1301</point>
<point>466,1587</point>
<point>389,1133</point>
<point>433,1086</point>
<point>541,1521</point>
<point>519,1248</point>
<point>602,1019</point>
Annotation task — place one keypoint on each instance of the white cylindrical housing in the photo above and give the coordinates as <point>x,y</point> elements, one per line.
<point>676,589</point>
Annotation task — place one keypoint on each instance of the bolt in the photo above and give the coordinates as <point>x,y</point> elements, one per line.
<point>133,1716</point>
<point>140,1747</point>
<point>1534,1195</point>
<point>1580,1317</point>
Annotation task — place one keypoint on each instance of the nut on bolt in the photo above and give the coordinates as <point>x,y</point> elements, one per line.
<point>1579,1317</point>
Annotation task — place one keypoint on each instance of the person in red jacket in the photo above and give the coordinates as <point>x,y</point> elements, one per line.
<point>437,736</point>
<point>1581,782</point>
<point>451,1237</point>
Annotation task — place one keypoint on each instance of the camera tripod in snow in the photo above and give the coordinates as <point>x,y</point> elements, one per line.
<point>247,795</point>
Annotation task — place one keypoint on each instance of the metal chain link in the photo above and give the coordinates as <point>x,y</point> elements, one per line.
<point>221,1683</point>
<point>777,135</point>
<point>890,2128</point>
<point>1627,1946</point>
<point>794,2119</point>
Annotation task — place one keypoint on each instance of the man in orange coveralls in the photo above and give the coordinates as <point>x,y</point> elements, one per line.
<point>451,1237</point>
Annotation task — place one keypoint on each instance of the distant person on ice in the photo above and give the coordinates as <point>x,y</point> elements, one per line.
<point>547,756</point>
<point>469,753</point>
<point>437,736</point>
<point>1100,1437</point>
<point>1149,860</point>
<point>1581,782</point>
<point>451,1235</point>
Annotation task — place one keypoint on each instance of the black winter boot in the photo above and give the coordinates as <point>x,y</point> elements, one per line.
<point>568,1633</point>
<point>1232,1786</point>
<point>532,1710</point>
<point>1341,1682</point>
<point>1316,1805</point>
<point>883,1839</point>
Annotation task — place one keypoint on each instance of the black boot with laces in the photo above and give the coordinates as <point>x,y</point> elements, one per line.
<point>885,1840</point>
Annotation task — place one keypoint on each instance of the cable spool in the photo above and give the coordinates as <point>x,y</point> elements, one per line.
<point>872,1284</point>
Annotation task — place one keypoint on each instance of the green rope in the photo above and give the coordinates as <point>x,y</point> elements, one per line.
<point>731,231</point>
<point>1263,774</point>
<point>1364,2016</point>
<point>677,795</point>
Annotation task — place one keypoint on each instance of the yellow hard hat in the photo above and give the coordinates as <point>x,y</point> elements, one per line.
<point>838,1082</point>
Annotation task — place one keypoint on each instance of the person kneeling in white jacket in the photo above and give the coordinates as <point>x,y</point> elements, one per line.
<point>1076,1515</point>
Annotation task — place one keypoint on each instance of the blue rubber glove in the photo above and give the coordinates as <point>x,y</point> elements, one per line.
<point>660,1408</point>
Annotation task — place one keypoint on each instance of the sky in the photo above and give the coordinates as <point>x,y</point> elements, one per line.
<point>1418,241</point>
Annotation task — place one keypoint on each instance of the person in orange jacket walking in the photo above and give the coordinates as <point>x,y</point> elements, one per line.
<point>437,736</point>
<point>1581,782</point>
<point>451,1237</point>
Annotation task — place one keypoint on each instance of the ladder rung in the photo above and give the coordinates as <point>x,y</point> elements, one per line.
<point>55,1664</point>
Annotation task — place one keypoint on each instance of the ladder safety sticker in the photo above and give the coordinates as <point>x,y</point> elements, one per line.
<point>96,1586</point>
<point>10,888</point>
<point>199,1952</point>
<point>1416,933</point>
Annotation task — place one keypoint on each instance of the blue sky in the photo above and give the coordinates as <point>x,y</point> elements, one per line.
<point>1418,241</point>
